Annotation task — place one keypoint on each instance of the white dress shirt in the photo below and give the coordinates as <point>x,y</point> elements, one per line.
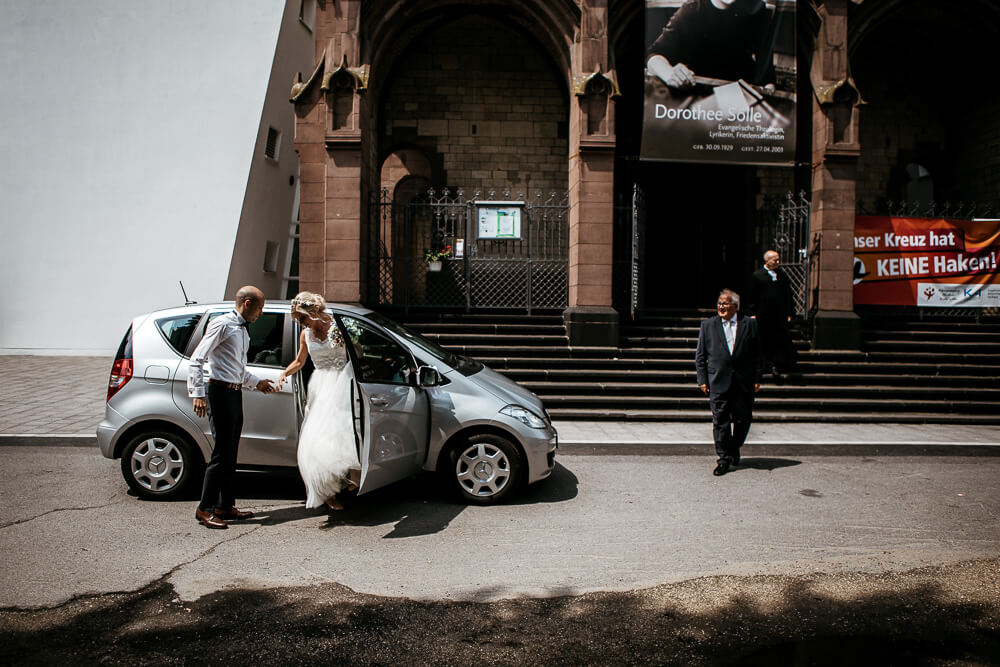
<point>225,346</point>
<point>729,328</point>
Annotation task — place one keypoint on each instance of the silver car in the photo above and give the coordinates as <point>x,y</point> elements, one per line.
<point>416,407</point>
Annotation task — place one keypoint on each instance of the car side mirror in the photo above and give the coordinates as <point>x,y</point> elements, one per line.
<point>428,376</point>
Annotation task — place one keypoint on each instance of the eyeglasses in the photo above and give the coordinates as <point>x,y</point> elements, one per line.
<point>726,304</point>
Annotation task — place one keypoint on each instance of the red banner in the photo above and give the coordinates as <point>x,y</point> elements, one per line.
<point>926,262</point>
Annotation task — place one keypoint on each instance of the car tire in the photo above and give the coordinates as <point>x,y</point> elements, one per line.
<point>162,465</point>
<point>485,469</point>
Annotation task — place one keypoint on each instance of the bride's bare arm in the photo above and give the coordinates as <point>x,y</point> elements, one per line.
<point>298,362</point>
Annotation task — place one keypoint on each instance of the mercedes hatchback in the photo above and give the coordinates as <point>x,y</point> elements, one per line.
<point>415,407</point>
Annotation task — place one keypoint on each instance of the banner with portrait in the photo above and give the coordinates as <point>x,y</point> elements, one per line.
<point>720,81</point>
<point>926,262</point>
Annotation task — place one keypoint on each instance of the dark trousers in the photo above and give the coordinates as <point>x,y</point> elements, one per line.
<point>732,413</point>
<point>225,414</point>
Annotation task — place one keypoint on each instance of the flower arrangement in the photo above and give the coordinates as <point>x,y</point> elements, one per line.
<point>438,255</point>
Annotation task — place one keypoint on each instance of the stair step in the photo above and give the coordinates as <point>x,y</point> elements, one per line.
<point>933,371</point>
<point>526,329</point>
<point>497,340</point>
<point>643,376</point>
<point>865,392</point>
<point>763,416</point>
<point>880,406</point>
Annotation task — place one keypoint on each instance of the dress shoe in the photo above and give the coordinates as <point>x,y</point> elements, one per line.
<point>721,469</point>
<point>232,514</point>
<point>209,519</point>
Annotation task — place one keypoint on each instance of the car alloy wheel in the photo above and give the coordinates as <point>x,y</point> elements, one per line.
<point>487,468</point>
<point>160,465</point>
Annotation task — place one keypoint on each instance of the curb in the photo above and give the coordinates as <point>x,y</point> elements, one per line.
<point>48,440</point>
<point>776,448</point>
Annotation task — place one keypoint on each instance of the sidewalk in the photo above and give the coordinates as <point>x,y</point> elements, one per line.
<point>46,397</point>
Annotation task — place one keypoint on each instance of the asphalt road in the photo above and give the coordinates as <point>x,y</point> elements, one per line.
<point>897,553</point>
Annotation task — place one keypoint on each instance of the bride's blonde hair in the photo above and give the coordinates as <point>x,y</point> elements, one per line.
<point>308,303</point>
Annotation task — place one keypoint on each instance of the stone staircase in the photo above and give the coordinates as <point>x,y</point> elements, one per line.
<point>909,370</point>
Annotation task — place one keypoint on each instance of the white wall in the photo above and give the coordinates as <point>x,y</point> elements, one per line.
<point>128,132</point>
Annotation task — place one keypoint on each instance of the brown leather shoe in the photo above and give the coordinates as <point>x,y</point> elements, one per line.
<point>232,514</point>
<point>209,519</point>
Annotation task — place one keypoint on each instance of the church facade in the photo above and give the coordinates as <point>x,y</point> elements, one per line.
<point>500,138</point>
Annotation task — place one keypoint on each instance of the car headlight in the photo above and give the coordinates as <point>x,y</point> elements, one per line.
<point>524,415</point>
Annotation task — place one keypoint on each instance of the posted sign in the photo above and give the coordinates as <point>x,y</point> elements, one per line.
<point>926,262</point>
<point>499,219</point>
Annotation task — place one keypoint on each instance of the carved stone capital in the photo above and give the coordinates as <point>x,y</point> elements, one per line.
<point>299,87</point>
<point>358,74</point>
<point>586,84</point>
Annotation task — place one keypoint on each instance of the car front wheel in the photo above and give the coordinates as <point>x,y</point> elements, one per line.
<point>486,469</point>
<point>162,465</point>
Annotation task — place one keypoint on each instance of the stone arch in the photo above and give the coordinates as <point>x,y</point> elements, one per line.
<point>340,94</point>
<point>402,171</point>
<point>554,23</point>
<point>482,98</point>
<point>405,176</point>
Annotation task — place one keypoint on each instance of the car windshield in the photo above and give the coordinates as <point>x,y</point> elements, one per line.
<point>464,365</point>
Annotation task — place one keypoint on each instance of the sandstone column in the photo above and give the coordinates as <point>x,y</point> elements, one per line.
<point>331,139</point>
<point>590,319</point>
<point>835,153</point>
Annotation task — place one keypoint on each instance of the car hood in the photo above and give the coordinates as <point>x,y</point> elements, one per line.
<point>507,390</point>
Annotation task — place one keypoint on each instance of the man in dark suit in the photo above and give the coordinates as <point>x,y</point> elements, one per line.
<point>728,364</point>
<point>772,306</point>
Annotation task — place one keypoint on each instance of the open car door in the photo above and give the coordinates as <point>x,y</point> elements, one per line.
<point>392,414</point>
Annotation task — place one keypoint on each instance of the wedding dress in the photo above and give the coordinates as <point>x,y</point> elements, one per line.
<point>327,450</point>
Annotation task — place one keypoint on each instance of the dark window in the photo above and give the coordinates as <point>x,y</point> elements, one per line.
<point>266,347</point>
<point>178,329</point>
<point>266,340</point>
<point>379,358</point>
<point>273,144</point>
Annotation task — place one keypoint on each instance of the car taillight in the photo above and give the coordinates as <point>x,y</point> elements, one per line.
<point>121,373</point>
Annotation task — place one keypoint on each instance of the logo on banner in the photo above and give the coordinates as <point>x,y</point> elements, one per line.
<point>860,271</point>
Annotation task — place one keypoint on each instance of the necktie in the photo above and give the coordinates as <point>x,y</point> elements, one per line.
<point>730,326</point>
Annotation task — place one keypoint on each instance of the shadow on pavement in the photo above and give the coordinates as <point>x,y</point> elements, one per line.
<point>764,463</point>
<point>420,505</point>
<point>936,615</point>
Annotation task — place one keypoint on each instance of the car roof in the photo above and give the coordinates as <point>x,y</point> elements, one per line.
<point>270,304</point>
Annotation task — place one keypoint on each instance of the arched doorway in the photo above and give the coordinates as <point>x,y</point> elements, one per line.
<point>482,102</point>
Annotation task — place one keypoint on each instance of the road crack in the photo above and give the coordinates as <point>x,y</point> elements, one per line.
<point>57,510</point>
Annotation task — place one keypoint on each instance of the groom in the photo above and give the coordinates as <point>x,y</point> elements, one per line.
<point>224,346</point>
<point>727,361</point>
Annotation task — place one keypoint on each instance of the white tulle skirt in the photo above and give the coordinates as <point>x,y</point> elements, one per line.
<point>327,451</point>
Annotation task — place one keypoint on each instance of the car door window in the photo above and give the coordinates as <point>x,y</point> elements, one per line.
<point>378,358</point>
<point>178,329</point>
<point>266,340</point>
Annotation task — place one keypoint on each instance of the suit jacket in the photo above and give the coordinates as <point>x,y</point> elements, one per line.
<point>770,299</point>
<point>719,369</point>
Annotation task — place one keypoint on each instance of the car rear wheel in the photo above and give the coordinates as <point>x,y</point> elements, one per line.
<point>486,469</point>
<point>160,465</point>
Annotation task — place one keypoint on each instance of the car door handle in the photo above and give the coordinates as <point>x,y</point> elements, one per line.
<point>379,401</point>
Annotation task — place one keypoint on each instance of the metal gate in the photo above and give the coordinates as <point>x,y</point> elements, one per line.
<point>790,238</point>
<point>526,272</point>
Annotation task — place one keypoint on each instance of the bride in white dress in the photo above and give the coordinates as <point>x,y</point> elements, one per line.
<point>327,454</point>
